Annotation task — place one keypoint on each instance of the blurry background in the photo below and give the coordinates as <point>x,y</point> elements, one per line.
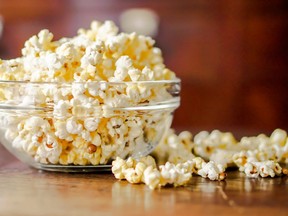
<point>232,55</point>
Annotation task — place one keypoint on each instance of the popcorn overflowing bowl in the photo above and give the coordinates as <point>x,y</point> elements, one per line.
<point>82,126</point>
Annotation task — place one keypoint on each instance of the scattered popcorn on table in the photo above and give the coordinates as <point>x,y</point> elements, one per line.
<point>146,171</point>
<point>176,162</point>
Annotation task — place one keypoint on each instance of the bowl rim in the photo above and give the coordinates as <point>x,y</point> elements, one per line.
<point>172,81</point>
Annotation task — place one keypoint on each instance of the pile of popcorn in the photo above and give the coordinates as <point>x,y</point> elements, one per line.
<point>87,99</point>
<point>177,160</point>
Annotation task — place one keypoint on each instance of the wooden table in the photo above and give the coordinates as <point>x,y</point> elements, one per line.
<point>26,191</point>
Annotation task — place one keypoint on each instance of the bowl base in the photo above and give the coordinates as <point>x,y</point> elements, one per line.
<point>73,168</point>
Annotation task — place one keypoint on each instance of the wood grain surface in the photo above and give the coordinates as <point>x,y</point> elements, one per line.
<point>26,191</point>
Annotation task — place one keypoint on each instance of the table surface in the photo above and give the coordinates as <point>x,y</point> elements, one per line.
<point>27,191</point>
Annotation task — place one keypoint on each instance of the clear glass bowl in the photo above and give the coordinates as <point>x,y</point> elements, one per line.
<point>83,126</point>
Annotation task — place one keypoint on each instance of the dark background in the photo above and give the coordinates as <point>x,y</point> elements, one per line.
<point>232,55</point>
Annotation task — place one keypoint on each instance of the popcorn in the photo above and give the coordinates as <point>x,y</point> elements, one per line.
<point>99,53</point>
<point>61,131</point>
<point>43,41</point>
<point>118,165</point>
<point>264,169</point>
<point>212,171</point>
<point>61,109</point>
<point>131,169</point>
<point>175,148</point>
<point>262,148</point>
<point>151,177</point>
<point>91,124</point>
<point>50,152</point>
<point>11,69</point>
<point>180,165</point>
<point>206,144</point>
<point>135,172</point>
<point>73,127</point>
<point>93,55</point>
<point>145,170</point>
<point>176,175</point>
<point>77,101</point>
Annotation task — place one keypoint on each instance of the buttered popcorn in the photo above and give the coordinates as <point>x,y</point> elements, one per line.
<point>87,99</point>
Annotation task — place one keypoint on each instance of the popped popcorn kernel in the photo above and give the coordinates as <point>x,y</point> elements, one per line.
<point>175,148</point>
<point>151,177</point>
<point>263,169</point>
<point>175,175</point>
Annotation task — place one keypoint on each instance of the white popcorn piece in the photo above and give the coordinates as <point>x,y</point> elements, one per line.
<point>175,148</point>
<point>93,88</point>
<point>92,57</point>
<point>263,169</point>
<point>11,69</point>
<point>61,109</point>
<point>117,43</point>
<point>78,89</point>
<point>206,144</point>
<point>134,74</point>
<point>151,177</point>
<point>133,93</point>
<point>106,30</point>
<point>279,136</point>
<point>61,131</point>
<point>73,127</point>
<point>212,171</point>
<point>147,74</point>
<point>32,97</point>
<point>91,124</point>
<point>122,66</point>
<point>37,43</point>
<point>120,167</point>
<point>96,139</point>
<point>223,157</point>
<point>171,174</point>
<point>86,135</point>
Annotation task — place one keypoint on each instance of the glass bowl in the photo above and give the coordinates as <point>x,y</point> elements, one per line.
<point>83,126</point>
